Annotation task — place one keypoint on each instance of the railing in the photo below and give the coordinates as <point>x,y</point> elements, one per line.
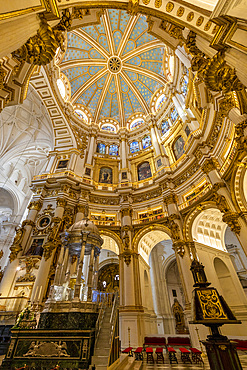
<point>114,337</point>
<point>100,319</point>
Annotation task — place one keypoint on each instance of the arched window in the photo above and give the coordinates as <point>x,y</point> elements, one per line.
<point>144,171</point>
<point>105,175</point>
<point>178,147</point>
<point>113,149</point>
<point>146,142</point>
<point>108,127</point>
<point>184,86</point>
<point>136,123</point>
<point>160,101</point>
<point>81,115</point>
<point>165,126</point>
<point>134,147</point>
<point>101,148</point>
<point>174,114</point>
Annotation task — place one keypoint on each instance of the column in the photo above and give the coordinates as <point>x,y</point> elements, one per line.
<point>48,255</point>
<point>90,276</point>
<point>79,272</point>
<point>91,148</point>
<point>96,272</point>
<point>123,153</point>
<point>131,310</point>
<point>179,108</point>
<point>20,241</point>
<point>223,200</point>
<point>183,258</point>
<point>80,208</point>
<point>154,138</point>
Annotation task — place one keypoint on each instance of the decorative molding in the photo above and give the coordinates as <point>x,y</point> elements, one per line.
<point>209,165</point>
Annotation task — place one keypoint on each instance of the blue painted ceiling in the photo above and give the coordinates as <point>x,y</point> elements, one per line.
<point>93,84</point>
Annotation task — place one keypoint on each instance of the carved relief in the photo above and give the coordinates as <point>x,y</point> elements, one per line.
<point>47,349</point>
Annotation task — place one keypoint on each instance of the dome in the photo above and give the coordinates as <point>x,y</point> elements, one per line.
<point>114,67</point>
<point>84,231</point>
<point>84,225</point>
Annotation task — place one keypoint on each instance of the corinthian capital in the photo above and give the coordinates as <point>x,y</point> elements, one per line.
<point>210,164</point>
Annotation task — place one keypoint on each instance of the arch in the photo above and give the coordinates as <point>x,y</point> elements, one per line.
<point>188,222</point>
<point>148,237</point>
<point>209,229</point>
<point>238,183</point>
<point>226,282</point>
<point>107,236</point>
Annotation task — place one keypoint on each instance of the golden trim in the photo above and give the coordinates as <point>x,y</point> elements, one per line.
<point>17,13</point>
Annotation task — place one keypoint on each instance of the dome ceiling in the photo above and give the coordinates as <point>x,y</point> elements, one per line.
<point>114,67</point>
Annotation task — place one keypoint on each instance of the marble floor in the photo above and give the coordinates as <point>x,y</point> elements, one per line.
<point>180,365</point>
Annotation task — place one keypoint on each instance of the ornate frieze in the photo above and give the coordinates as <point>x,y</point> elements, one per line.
<point>147,195</point>
<point>128,211</point>
<point>103,200</point>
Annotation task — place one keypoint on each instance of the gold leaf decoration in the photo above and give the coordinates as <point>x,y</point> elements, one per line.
<point>146,2</point>
<point>190,16</point>
<point>199,21</point>
<point>207,26</point>
<point>180,11</point>
<point>158,3</point>
<point>169,7</point>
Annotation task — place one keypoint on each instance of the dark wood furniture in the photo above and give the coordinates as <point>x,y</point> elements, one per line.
<point>185,355</point>
<point>172,355</point>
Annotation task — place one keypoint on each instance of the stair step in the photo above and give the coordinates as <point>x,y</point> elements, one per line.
<point>100,360</point>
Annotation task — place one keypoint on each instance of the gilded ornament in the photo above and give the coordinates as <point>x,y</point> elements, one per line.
<point>158,3</point>
<point>199,21</point>
<point>171,198</point>
<point>207,26</point>
<point>41,48</point>
<point>36,205</point>
<point>209,165</point>
<point>126,212</point>
<point>133,7</point>
<point>173,30</point>
<point>146,2</point>
<point>180,11</point>
<point>28,223</point>
<point>231,219</point>
<point>61,202</point>
<point>190,16</point>
<point>3,74</point>
<point>79,13</point>
<point>178,247</point>
<point>16,245</point>
<point>30,264</point>
<point>218,76</point>
<point>169,7</point>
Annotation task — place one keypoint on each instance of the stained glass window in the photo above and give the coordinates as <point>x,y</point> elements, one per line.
<point>101,148</point>
<point>134,147</point>
<point>165,126</point>
<point>136,123</point>
<point>81,115</point>
<point>146,142</point>
<point>174,114</point>
<point>160,101</point>
<point>184,86</point>
<point>113,149</point>
<point>109,128</point>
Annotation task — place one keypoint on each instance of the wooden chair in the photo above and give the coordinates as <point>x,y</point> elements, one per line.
<point>172,355</point>
<point>150,357</point>
<point>185,355</point>
<point>138,353</point>
<point>159,354</point>
<point>129,351</point>
<point>196,355</point>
